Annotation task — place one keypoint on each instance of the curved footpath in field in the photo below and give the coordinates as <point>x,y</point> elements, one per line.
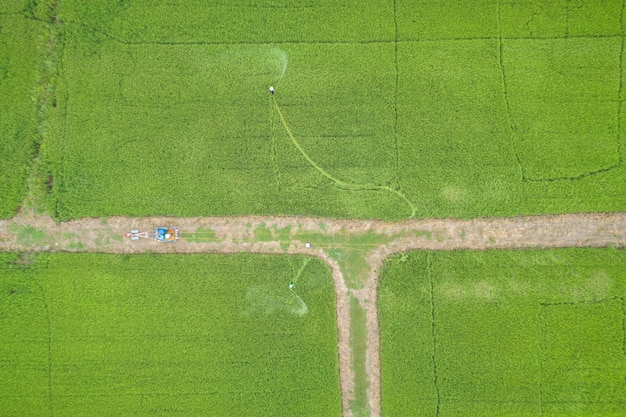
<point>373,240</point>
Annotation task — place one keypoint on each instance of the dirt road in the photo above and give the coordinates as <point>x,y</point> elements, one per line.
<point>377,240</point>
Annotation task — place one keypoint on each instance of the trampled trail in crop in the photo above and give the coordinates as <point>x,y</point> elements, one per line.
<point>303,307</point>
<point>337,182</point>
<point>373,240</point>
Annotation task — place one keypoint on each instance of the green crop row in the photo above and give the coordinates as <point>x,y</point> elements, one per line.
<point>504,333</point>
<point>162,335</point>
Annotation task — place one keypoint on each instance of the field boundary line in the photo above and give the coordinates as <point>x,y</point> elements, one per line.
<point>567,10</point>
<point>624,325</point>
<point>429,271</point>
<point>395,91</point>
<point>620,92</point>
<point>581,302</point>
<point>512,38</point>
<point>541,355</point>
<point>48,346</point>
<point>273,152</point>
<point>114,38</point>
<point>507,105</point>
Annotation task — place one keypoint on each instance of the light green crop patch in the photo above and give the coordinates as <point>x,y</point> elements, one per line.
<point>560,18</point>
<point>582,356</point>
<point>101,334</point>
<point>136,112</point>
<point>448,19</point>
<point>487,110</point>
<point>564,98</point>
<point>455,154</point>
<point>236,21</point>
<point>504,333</point>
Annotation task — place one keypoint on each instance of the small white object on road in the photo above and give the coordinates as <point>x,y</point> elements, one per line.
<point>307,245</point>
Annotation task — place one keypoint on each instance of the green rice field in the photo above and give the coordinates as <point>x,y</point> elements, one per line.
<point>383,109</point>
<point>18,76</point>
<point>498,109</point>
<point>184,335</point>
<point>504,333</point>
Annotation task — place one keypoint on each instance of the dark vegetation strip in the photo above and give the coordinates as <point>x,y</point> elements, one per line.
<point>624,325</point>
<point>39,181</point>
<point>92,29</point>
<point>567,9</point>
<point>429,269</point>
<point>576,177</point>
<point>48,346</point>
<point>50,57</point>
<point>511,38</point>
<point>621,84</point>
<point>541,355</point>
<point>506,96</point>
<point>395,92</point>
<point>530,402</point>
<point>159,394</point>
<point>273,149</point>
<point>581,302</point>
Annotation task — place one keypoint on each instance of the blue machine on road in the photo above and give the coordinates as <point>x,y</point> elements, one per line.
<point>160,234</point>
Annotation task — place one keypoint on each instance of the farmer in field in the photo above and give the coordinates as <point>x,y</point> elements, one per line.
<point>271,89</point>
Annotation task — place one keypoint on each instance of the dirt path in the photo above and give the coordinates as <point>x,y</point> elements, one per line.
<point>286,235</point>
